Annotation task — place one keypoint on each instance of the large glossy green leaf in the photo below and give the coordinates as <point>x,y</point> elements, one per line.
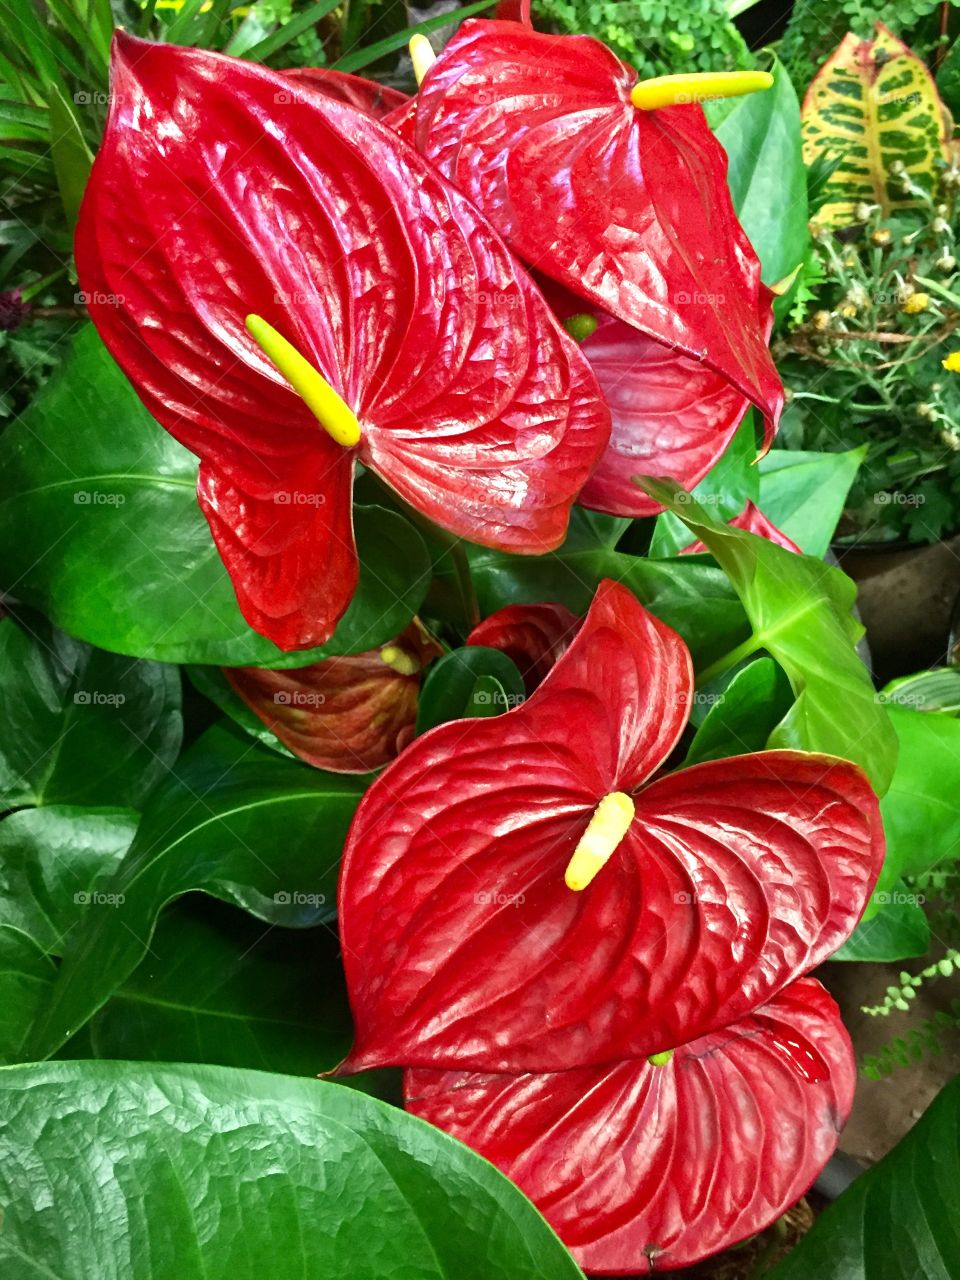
<point>54,863</point>
<point>221,987</point>
<point>896,928</point>
<point>804,493</point>
<point>236,821</point>
<point>692,597</point>
<point>81,726</point>
<point>125,1171</point>
<point>761,135</point>
<point>801,614</point>
<point>901,1219</point>
<point>100,528</point>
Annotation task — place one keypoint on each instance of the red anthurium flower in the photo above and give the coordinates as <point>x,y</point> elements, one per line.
<point>347,715</point>
<point>534,636</point>
<point>377,100</point>
<point>644,1168</point>
<point>291,288</point>
<point>752,519</point>
<point>523,894</point>
<point>627,205</point>
<point>672,415</point>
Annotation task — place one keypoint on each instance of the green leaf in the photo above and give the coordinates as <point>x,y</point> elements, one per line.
<point>235,821</point>
<point>354,60</point>
<point>457,680</point>
<point>100,528</point>
<point>72,159</point>
<point>730,484</point>
<point>214,685</point>
<point>221,988</point>
<point>81,726</point>
<point>801,614</point>
<point>896,929</point>
<point>920,812</point>
<point>901,1219</point>
<point>207,1173</point>
<point>291,30</point>
<point>761,136</point>
<point>804,493</point>
<point>743,715</point>
<point>935,690</point>
<point>53,863</point>
<point>692,597</point>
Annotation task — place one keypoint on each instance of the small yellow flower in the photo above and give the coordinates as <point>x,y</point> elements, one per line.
<point>848,310</point>
<point>881,237</point>
<point>916,303</point>
<point>952,362</point>
<point>821,320</point>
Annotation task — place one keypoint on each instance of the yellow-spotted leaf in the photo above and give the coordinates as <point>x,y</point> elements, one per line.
<point>872,103</point>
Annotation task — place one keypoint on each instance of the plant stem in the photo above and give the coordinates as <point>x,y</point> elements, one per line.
<point>728,660</point>
<point>468,593</point>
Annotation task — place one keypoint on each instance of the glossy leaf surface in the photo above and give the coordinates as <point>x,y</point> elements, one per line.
<point>464,947</point>
<point>494,449</point>
<point>81,726</point>
<point>374,99</point>
<point>171,1164</point>
<point>645,1169</point>
<point>629,209</point>
<point>236,821</point>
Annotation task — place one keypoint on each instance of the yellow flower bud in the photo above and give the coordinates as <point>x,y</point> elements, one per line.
<point>916,303</point>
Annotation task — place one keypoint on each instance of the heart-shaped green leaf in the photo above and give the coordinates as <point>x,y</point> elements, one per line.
<point>208,1173</point>
<point>81,726</point>
<point>459,686</point>
<point>804,493</point>
<point>100,528</point>
<point>235,820</point>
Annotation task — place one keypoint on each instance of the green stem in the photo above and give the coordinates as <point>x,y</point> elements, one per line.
<point>468,593</point>
<point>728,660</point>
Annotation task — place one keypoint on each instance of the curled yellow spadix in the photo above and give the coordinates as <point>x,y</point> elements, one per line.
<point>399,660</point>
<point>421,55</point>
<point>609,824</point>
<point>669,91</point>
<point>330,409</point>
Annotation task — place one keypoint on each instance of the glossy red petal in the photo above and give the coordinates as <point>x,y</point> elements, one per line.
<point>377,100</point>
<point>513,11</point>
<point>645,1169</point>
<point>534,636</point>
<point>211,198</point>
<point>672,416</point>
<point>630,209</point>
<point>753,520</point>
<point>461,943</point>
<point>347,715</point>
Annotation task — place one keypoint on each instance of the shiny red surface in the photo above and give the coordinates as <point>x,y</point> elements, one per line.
<point>645,1169</point>
<point>753,520</point>
<point>464,948</point>
<point>534,636</point>
<point>629,209</point>
<point>216,193</point>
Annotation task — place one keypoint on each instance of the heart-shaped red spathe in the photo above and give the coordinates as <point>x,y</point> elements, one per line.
<point>752,519</point>
<point>645,1169</point>
<point>672,416</point>
<point>346,715</point>
<point>533,636</point>
<point>629,209</point>
<point>218,193</point>
<point>463,946</point>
